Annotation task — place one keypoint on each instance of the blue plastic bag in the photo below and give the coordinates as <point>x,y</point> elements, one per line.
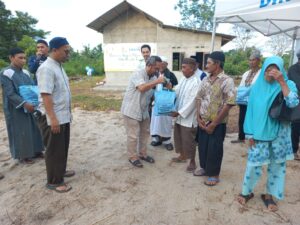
<point>242,95</point>
<point>30,94</point>
<point>164,102</point>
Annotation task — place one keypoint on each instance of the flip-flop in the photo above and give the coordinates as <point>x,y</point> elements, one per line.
<point>212,179</point>
<point>69,173</point>
<point>55,186</point>
<point>178,160</point>
<point>136,163</point>
<point>148,159</point>
<point>297,157</point>
<point>200,172</point>
<point>268,202</point>
<point>246,197</point>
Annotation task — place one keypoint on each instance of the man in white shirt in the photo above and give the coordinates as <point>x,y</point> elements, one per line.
<point>248,79</point>
<point>146,52</point>
<point>186,124</point>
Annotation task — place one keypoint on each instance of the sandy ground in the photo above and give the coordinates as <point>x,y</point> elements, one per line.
<point>108,190</point>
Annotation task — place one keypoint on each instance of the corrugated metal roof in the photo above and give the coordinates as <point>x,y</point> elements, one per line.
<point>103,20</point>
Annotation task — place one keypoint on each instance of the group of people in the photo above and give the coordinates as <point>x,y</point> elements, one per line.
<point>201,113</point>
<point>46,126</point>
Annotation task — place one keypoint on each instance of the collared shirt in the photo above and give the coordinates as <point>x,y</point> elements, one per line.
<point>135,103</point>
<point>53,80</point>
<point>186,92</point>
<point>213,95</point>
<point>249,77</point>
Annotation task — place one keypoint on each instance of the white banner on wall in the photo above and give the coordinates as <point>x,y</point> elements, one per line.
<point>124,56</point>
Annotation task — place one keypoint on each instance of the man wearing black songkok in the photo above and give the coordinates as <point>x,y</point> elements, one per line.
<point>215,97</point>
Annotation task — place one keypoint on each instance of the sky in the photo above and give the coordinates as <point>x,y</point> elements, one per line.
<point>69,18</point>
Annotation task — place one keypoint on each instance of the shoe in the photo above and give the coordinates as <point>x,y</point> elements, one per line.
<point>169,147</point>
<point>156,143</point>
<point>237,141</point>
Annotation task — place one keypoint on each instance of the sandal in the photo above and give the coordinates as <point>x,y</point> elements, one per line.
<point>156,143</point>
<point>200,172</point>
<point>27,161</point>
<point>56,187</point>
<point>296,157</point>
<point>212,179</point>
<point>246,197</point>
<point>169,147</point>
<point>148,159</point>
<point>69,173</point>
<point>268,202</point>
<point>178,160</point>
<point>136,163</point>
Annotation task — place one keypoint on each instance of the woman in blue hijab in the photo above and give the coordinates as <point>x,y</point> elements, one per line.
<point>269,139</point>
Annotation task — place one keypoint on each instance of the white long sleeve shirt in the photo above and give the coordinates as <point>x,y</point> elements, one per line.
<point>186,92</point>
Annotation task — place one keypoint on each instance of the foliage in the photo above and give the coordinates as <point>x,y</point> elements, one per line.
<point>237,61</point>
<point>196,14</point>
<point>279,44</point>
<point>28,44</point>
<point>14,27</point>
<point>87,57</point>
<point>243,36</point>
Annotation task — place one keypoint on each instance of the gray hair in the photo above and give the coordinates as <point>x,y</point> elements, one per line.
<point>151,61</point>
<point>255,54</point>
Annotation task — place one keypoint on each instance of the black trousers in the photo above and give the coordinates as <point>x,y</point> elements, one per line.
<point>210,147</point>
<point>295,136</point>
<point>57,146</point>
<point>243,110</point>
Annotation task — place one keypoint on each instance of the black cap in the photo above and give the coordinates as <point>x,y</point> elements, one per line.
<point>217,55</point>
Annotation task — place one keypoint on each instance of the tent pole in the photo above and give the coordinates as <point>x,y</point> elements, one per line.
<point>293,46</point>
<point>213,35</point>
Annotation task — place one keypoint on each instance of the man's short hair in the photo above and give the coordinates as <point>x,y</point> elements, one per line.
<point>152,60</point>
<point>15,51</point>
<point>42,42</point>
<point>218,57</point>
<point>190,61</point>
<point>146,46</point>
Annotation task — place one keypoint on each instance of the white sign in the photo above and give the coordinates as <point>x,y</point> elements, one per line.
<point>124,56</point>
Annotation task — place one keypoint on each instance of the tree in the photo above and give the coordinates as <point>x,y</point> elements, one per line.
<point>196,14</point>
<point>279,44</point>
<point>243,36</point>
<point>28,44</point>
<point>14,27</point>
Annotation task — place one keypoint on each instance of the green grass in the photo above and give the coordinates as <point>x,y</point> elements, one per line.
<point>84,97</point>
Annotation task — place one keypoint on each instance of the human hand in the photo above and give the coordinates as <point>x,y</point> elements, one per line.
<point>210,127</point>
<point>174,114</point>
<point>169,86</point>
<point>28,107</point>
<point>201,123</point>
<point>160,79</point>
<point>55,127</point>
<point>276,75</point>
<point>251,143</point>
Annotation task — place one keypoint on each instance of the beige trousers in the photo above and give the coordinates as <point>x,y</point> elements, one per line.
<point>137,137</point>
<point>184,140</point>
